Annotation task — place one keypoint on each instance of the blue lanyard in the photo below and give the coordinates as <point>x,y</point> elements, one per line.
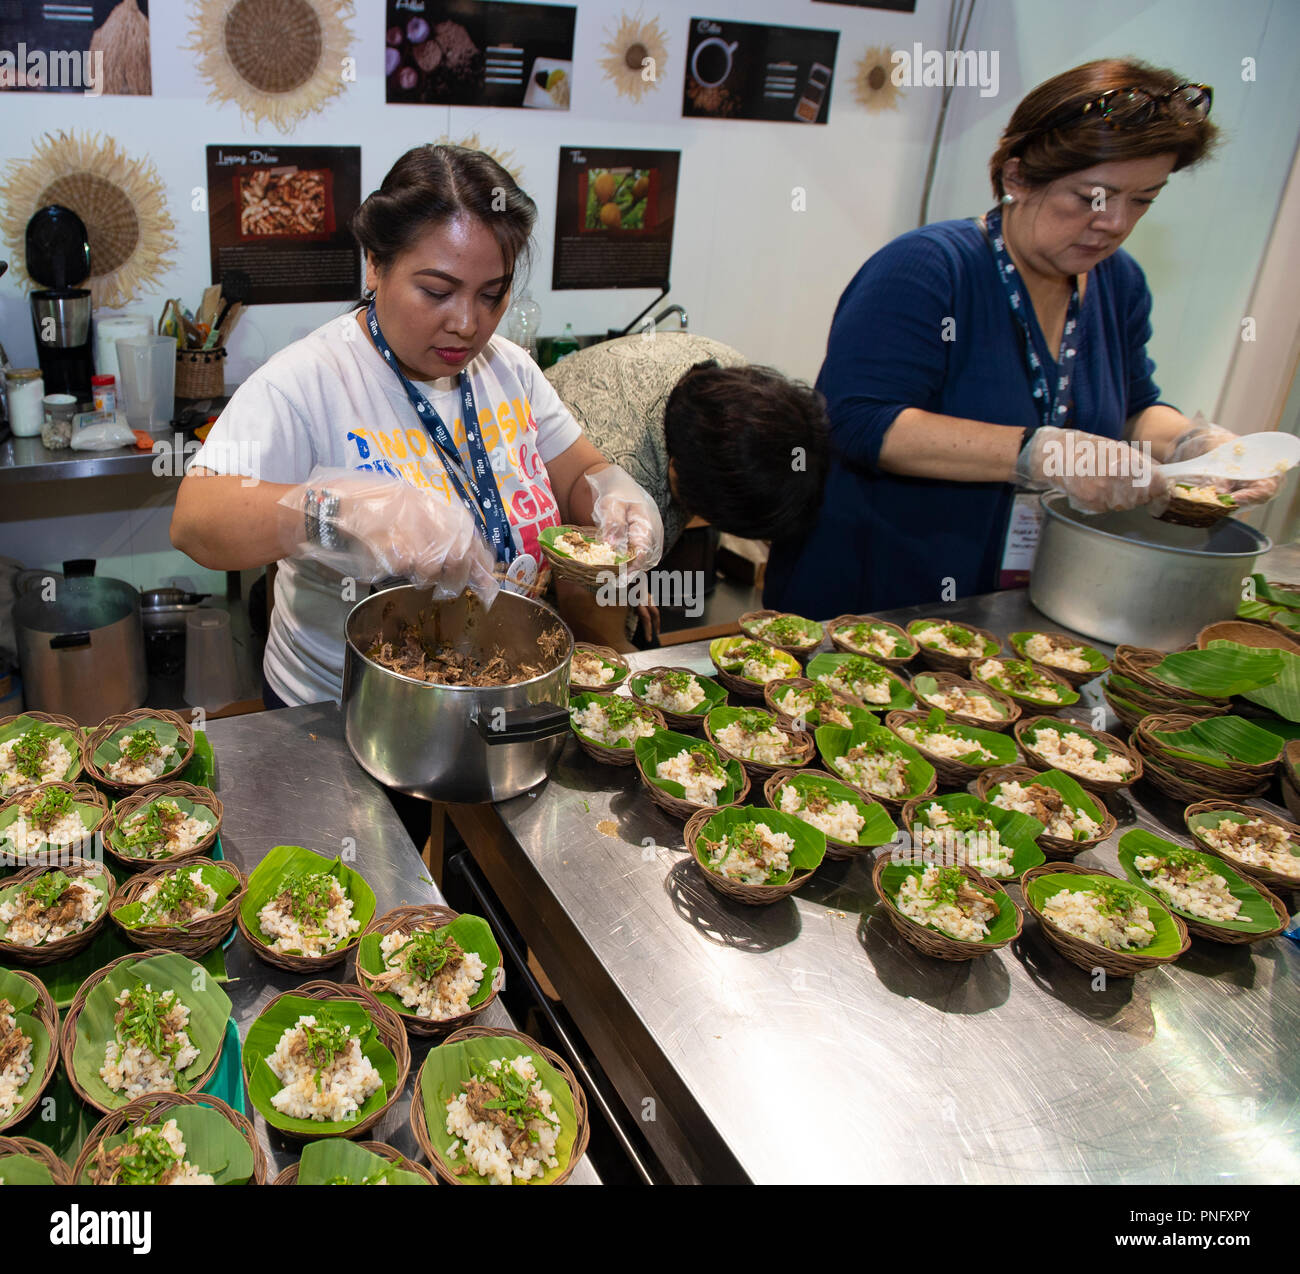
<point>485,505</point>
<point>1053,402</point>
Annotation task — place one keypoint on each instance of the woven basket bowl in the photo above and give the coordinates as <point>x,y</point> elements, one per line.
<point>1186,791</point>
<point>1055,847</point>
<point>65,723</point>
<point>130,805</point>
<point>833,627</point>
<point>750,895</point>
<point>1287,774</point>
<point>1245,633</point>
<point>758,771</point>
<point>152,1108</point>
<point>683,722</point>
<point>949,773</point>
<point>111,725</point>
<point>616,756</point>
<point>421,1129</point>
<point>68,1036</point>
<point>1237,777</point>
<point>1257,875</point>
<point>839,850</point>
<point>741,686</point>
<point>29,1149</point>
<point>1136,663</point>
<point>194,940</point>
<point>684,809</point>
<point>1185,512</point>
<point>590,577</point>
<point>1029,705</point>
<point>931,942</point>
<point>951,681</point>
<point>1291,797</point>
<point>607,653</point>
<point>1090,955</point>
<point>391,1033</point>
<point>84,793</point>
<point>295,963</point>
<point>908,819</point>
<point>1076,679</point>
<point>48,1016</point>
<point>430,916</point>
<point>799,652</point>
<point>289,1177</point>
<point>1040,762</point>
<point>941,661</point>
<point>53,952</point>
<point>1149,702</point>
<point>1127,718</point>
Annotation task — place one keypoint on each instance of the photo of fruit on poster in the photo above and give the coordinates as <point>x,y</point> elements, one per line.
<point>620,198</point>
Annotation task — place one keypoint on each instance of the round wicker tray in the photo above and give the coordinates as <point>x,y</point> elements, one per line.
<point>800,743</point>
<point>686,722</point>
<point>289,1176</point>
<point>951,681</point>
<point>1031,705</point>
<point>29,1149</point>
<point>1075,678</point>
<point>1040,762</point>
<point>131,805</point>
<point>1258,875</point>
<point>834,626</point>
<point>83,793</point>
<point>836,849</point>
<point>949,773</point>
<point>750,895</point>
<point>682,809</point>
<point>610,655</point>
<point>799,652</point>
<point>1236,779</point>
<point>942,661</point>
<point>194,940</point>
<point>53,952</point>
<point>1185,512</point>
<point>589,577</point>
<point>616,756</point>
<point>1055,847</point>
<point>77,730</point>
<point>110,725</point>
<point>1246,633</point>
<point>48,1016</point>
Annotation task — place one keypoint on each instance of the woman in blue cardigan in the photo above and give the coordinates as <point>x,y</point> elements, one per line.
<point>971,357</point>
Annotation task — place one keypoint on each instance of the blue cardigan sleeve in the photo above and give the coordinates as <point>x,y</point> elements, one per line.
<point>1143,392</point>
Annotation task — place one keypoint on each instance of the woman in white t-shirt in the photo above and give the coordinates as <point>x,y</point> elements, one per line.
<point>348,457</point>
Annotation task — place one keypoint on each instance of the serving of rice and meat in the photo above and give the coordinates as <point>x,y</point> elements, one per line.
<point>1056,652</point>
<point>698,770</point>
<point>754,737</point>
<point>45,818</point>
<point>964,836</point>
<point>504,1123</point>
<point>1207,493</point>
<point>750,853</point>
<point>614,722</point>
<point>783,630</point>
<point>1077,753</point>
<point>1058,817</point>
<point>1019,677</point>
<point>29,759</point>
<point>873,639</point>
<point>143,758</point>
<point>587,669</point>
<point>943,898</point>
<point>430,973</point>
<point>841,820</point>
<point>795,702</point>
<point>589,552</point>
<point>969,703</point>
<point>861,678</point>
<point>152,1155</point>
<point>162,830</point>
<point>309,915</point>
<point>675,691</point>
<point>49,908</point>
<point>325,1074</point>
<point>179,898</point>
<point>1257,842</point>
<point>1189,884</point>
<point>876,766</point>
<point>1102,913</point>
<point>150,1045</point>
<point>15,1059</point>
<point>755,662</point>
<point>952,639</point>
<point>942,742</point>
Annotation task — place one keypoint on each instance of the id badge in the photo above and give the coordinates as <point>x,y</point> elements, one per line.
<point>1021,543</point>
<point>521,575</point>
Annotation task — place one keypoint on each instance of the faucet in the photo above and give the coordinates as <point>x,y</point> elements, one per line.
<point>671,309</point>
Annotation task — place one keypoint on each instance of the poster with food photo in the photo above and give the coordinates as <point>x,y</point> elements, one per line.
<point>279,215</point>
<point>479,53</point>
<point>94,47</point>
<point>614,218</point>
<point>739,70</point>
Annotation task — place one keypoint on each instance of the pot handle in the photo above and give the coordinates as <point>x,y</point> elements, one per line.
<point>522,725</point>
<point>69,641</point>
<point>79,568</point>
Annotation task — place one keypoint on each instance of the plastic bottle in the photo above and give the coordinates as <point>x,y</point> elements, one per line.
<point>524,322</point>
<point>564,344</point>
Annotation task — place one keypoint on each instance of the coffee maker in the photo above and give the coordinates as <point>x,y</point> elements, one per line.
<point>58,257</point>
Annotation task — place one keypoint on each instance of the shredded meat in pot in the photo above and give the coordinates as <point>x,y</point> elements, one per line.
<point>411,656</point>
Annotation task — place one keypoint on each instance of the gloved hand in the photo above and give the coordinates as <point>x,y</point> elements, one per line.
<point>1097,474</point>
<point>1204,436</point>
<point>371,526</point>
<point>626,516</point>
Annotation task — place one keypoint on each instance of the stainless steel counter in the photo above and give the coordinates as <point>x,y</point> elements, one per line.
<point>287,777</point>
<point>30,460</point>
<point>806,1042</point>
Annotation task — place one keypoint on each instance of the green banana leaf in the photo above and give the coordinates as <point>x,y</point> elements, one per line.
<point>212,874</point>
<point>834,741</point>
<point>924,684</point>
<point>1257,915</point>
<point>10,854</point>
<point>100,879</point>
<point>877,828</point>
<point>663,744</point>
<point>212,1144</point>
<point>1069,788</point>
<point>1225,669</point>
<point>584,699</point>
<point>714,693</point>
<point>982,650</point>
<point>202,768</point>
<point>1015,829</point>
<point>727,715</point>
<point>20,725</point>
<point>1068,695</point>
<point>620,673</point>
<point>209,1008</point>
<point>24,1170</point>
<point>268,877</point>
<point>809,843</point>
<point>1134,690</point>
<point>1198,824</point>
<point>1003,749</point>
<point>1002,928</point>
<point>1287,618</point>
<point>264,1035</point>
<point>110,750</point>
<point>1280,596</point>
<point>806,626</point>
<point>1285,730</point>
<point>719,648</point>
<point>1096,660</point>
<point>549,534</point>
<point>829,662</point>
<point>23,996</point>
<point>902,649</point>
<point>1165,943</point>
<point>473,933</point>
<point>117,838</point>
<point>1220,741</point>
<point>61,1121</point>
<point>336,1161</point>
<point>449,1065</point>
<point>1283,695</point>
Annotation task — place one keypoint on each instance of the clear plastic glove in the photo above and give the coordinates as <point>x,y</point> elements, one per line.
<point>1205,436</point>
<point>1097,474</point>
<point>626,516</point>
<point>374,527</point>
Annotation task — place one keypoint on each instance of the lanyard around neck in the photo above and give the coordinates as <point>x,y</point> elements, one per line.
<point>477,487</point>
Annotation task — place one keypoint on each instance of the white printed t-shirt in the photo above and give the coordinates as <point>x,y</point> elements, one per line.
<point>330,399</point>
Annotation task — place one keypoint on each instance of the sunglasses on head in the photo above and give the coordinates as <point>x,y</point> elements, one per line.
<point>1134,106</point>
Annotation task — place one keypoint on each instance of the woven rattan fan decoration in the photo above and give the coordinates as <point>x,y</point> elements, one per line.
<point>120,199</point>
<point>277,60</point>
<point>635,56</point>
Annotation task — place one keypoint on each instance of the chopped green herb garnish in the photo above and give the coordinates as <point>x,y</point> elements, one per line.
<point>142,743</point>
<point>47,889</point>
<point>620,712</point>
<point>855,668</point>
<point>957,635</point>
<point>306,896</point>
<point>152,829</point>
<point>50,807</point>
<point>30,751</point>
<point>173,894</point>
<point>325,1041</point>
<point>142,1020</point>
<point>426,953</point>
<point>146,1158</point>
<point>787,630</point>
<point>516,1096</point>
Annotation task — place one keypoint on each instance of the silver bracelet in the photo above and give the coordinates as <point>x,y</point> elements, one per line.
<point>320,508</point>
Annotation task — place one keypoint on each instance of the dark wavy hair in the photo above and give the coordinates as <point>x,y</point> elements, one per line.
<point>431,185</point>
<point>750,447</point>
<point>1052,138</point>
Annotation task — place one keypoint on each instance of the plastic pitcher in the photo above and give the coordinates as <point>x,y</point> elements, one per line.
<point>146,369</point>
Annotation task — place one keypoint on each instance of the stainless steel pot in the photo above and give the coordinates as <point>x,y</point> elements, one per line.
<point>1130,578</point>
<point>461,744</point>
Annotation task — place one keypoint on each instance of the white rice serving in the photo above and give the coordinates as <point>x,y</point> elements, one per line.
<point>750,853</point>
<point>1111,919</point>
<point>965,838</point>
<point>1257,842</point>
<point>15,1059</point>
<point>1190,886</point>
<point>325,1074</point>
<point>130,1066</point>
<point>942,898</point>
<point>880,770</point>
<point>1077,753</point>
<point>840,820</point>
<point>491,1141</point>
<point>589,669</point>
<point>149,767</point>
<point>310,915</point>
<point>1058,817</point>
<point>55,761</point>
<point>678,692</point>
<point>35,915</point>
<point>1042,649</point>
<point>447,994</point>
<point>630,723</point>
<point>698,773</point>
<point>949,746</point>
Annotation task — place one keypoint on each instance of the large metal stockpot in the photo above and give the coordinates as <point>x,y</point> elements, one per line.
<point>461,744</point>
<point>1130,578</point>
